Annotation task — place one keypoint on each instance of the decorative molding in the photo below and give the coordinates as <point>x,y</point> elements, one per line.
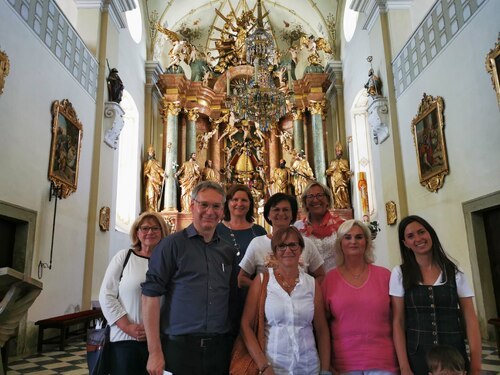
<point>114,111</point>
<point>441,25</point>
<point>55,32</point>
<point>378,118</point>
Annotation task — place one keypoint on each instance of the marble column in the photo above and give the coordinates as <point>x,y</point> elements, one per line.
<point>298,129</point>
<point>192,116</point>
<point>316,109</point>
<point>171,112</point>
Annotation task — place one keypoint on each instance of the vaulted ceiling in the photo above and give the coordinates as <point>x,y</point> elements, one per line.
<point>199,21</point>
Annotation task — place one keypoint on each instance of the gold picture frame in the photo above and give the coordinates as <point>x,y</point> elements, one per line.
<point>493,67</point>
<point>67,133</point>
<point>428,134</point>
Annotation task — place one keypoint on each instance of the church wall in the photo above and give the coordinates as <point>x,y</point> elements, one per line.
<point>355,69</point>
<point>36,79</point>
<point>471,130</point>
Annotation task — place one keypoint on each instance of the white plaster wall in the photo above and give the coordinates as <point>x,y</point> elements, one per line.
<point>36,79</point>
<point>472,131</point>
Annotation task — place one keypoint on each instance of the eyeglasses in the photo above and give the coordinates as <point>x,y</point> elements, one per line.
<point>317,196</point>
<point>147,229</point>
<point>205,206</point>
<point>293,246</point>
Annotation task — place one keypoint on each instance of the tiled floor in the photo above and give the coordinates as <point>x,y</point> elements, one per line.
<point>73,362</point>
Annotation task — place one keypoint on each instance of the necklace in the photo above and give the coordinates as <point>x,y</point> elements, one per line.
<point>356,276</point>
<point>236,245</point>
<point>285,283</point>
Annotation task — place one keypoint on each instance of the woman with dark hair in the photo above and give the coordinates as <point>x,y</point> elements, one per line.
<point>320,225</point>
<point>238,229</point>
<point>280,211</point>
<point>120,295</point>
<point>292,308</point>
<point>431,301</point>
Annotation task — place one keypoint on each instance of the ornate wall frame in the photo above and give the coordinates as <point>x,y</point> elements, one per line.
<point>428,135</point>
<point>493,67</point>
<point>4,69</point>
<point>67,133</point>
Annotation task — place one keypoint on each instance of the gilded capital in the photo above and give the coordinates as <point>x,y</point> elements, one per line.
<point>192,114</point>
<point>297,114</point>
<point>171,108</point>
<point>317,108</point>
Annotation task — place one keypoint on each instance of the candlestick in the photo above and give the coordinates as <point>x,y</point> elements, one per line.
<point>228,81</point>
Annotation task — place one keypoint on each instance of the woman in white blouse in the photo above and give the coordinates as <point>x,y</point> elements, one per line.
<point>280,211</point>
<point>293,307</point>
<point>120,296</point>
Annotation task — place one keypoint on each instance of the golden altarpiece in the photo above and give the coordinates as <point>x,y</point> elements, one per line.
<point>243,115</point>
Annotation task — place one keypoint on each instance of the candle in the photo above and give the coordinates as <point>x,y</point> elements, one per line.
<point>228,81</point>
<point>290,83</point>
<point>256,71</point>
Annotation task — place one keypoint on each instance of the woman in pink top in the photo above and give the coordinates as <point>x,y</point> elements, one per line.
<point>357,300</point>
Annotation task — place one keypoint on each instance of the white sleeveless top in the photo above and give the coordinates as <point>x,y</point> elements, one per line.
<point>290,343</point>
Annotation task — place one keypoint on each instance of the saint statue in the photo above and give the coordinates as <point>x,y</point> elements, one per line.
<point>280,179</point>
<point>154,175</point>
<point>302,174</point>
<point>115,86</point>
<point>189,175</point>
<point>339,175</point>
<point>209,173</point>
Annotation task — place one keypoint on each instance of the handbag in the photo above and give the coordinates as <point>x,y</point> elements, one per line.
<point>98,344</point>
<point>98,350</point>
<point>242,362</point>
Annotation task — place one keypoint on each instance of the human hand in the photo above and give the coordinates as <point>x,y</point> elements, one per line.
<point>156,363</point>
<point>406,371</point>
<point>136,331</point>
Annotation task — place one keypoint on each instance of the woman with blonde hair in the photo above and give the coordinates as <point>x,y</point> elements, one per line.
<point>356,295</point>
<point>120,295</point>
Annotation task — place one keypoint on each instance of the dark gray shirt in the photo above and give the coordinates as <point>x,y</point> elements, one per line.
<point>194,277</point>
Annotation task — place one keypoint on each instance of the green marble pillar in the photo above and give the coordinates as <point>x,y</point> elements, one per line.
<point>298,129</point>
<point>318,139</point>
<point>192,116</point>
<point>172,110</point>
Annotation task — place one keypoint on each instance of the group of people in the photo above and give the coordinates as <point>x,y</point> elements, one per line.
<point>177,301</point>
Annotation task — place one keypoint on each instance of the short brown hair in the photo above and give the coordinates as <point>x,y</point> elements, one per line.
<point>165,231</point>
<point>445,358</point>
<point>281,234</point>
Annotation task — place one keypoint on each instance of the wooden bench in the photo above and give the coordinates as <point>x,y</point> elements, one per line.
<point>496,323</point>
<point>64,323</point>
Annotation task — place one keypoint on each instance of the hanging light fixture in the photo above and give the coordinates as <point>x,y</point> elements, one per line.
<point>259,100</point>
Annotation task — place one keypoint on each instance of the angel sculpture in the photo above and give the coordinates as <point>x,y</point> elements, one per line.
<point>315,45</point>
<point>280,74</point>
<point>205,137</point>
<point>231,128</point>
<point>259,133</point>
<point>181,50</point>
<point>285,139</point>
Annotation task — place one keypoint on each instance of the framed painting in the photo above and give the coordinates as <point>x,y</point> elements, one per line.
<point>428,135</point>
<point>67,132</point>
<point>493,67</point>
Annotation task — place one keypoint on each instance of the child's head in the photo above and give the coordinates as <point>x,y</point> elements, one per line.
<point>445,360</point>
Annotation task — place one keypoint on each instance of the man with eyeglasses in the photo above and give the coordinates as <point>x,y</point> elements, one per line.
<point>192,270</point>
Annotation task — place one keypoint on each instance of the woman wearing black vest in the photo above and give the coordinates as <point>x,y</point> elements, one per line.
<point>432,301</point>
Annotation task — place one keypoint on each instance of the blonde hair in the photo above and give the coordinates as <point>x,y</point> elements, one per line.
<point>165,231</point>
<point>326,190</point>
<point>344,228</point>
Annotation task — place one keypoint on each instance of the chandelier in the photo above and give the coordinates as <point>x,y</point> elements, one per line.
<point>258,99</point>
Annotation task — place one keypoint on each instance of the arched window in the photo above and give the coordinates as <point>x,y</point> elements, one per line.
<point>134,23</point>
<point>350,21</point>
<point>361,155</point>
<point>128,165</point>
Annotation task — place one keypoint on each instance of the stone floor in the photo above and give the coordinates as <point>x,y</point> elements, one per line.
<point>73,361</point>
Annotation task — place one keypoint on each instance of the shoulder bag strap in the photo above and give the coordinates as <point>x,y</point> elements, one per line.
<point>261,319</point>
<point>124,264</point>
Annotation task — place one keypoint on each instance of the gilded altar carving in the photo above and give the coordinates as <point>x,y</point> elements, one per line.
<point>192,114</point>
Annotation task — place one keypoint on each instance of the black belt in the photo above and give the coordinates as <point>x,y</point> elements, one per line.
<point>200,341</point>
